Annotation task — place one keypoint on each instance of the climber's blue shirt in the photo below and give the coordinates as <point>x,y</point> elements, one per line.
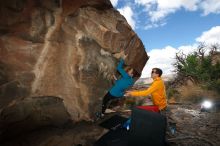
<point>123,83</point>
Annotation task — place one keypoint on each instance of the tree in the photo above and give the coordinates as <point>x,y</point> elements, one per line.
<point>199,67</point>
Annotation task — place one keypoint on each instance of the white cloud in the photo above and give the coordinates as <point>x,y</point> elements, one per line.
<point>177,4</point>
<point>161,58</point>
<point>158,15</point>
<point>191,5</point>
<point>154,25</point>
<point>210,6</point>
<point>144,2</point>
<point>114,2</point>
<point>165,57</point>
<point>211,36</point>
<point>158,10</point>
<point>188,49</point>
<point>128,14</point>
<point>166,7</point>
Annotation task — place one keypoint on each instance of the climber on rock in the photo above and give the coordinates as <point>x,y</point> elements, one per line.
<point>120,85</point>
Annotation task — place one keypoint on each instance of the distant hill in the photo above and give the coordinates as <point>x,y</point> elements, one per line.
<point>149,80</point>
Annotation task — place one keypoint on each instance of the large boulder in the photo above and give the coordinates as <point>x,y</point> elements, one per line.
<point>65,49</point>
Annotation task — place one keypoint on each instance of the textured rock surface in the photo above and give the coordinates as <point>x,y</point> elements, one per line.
<point>82,134</point>
<point>194,127</point>
<point>62,49</point>
<point>31,114</point>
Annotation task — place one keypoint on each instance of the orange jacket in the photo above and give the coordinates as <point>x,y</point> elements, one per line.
<point>157,90</point>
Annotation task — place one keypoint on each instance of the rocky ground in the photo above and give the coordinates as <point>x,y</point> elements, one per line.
<point>193,128</point>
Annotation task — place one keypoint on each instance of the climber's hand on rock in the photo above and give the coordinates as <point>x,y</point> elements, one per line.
<point>114,77</point>
<point>120,55</point>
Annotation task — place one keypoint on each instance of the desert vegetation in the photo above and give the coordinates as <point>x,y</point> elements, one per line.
<point>198,74</point>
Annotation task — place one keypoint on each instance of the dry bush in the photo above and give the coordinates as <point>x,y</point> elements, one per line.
<point>195,93</point>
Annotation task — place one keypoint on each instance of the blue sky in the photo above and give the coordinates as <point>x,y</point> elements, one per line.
<point>168,26</point>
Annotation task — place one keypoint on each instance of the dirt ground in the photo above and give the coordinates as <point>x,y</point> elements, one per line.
<point>193,127</point>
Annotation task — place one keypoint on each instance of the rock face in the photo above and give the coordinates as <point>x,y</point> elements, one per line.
<point>65,49</point>
<point>30,114</point>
